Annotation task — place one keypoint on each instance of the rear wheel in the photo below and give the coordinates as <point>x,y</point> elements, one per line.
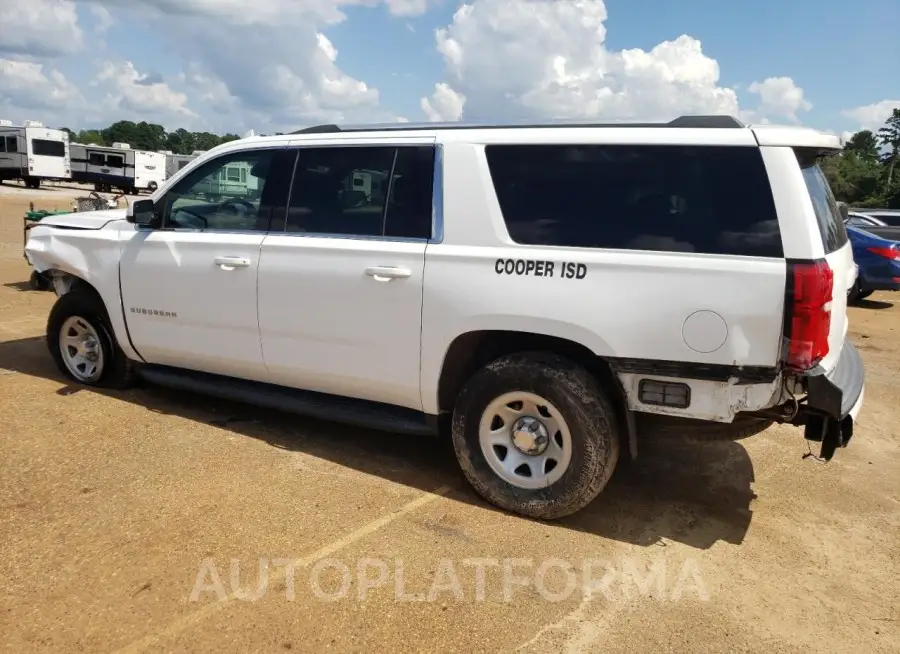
<point>81,342</point>
<point>535,434</point>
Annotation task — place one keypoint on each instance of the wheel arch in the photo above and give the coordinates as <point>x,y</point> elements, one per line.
<point>470,351</point>
<point>64,282</point>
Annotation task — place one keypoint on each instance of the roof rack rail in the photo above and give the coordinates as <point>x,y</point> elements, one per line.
<point>318,129</point>
<point>693,122</point>
<point>708,122</point>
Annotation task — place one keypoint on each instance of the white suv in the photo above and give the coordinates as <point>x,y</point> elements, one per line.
<point>544,293</point>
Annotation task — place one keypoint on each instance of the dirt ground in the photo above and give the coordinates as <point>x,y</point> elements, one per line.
<point>139,521</point>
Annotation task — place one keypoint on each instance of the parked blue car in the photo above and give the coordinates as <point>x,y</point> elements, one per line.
<point>879,263</point>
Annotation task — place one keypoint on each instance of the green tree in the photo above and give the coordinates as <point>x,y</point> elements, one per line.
<point>864,144</point>
<point>90,137</point>
<point>889,137</point>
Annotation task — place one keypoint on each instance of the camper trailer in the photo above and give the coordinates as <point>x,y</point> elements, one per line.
<point>175,162</point>
<point>33,153</point>
<point>234,180</point>
<point>119,166</point>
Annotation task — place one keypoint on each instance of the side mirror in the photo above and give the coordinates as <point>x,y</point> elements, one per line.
<point>142,213</point>
<point>845,210</point>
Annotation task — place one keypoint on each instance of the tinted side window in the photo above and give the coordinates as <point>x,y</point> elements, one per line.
<point>340,190</point>
<point>45,148</point>
<point>210,197</point>
<point>96,159</point>
<point>892,220</point>
<point>115,161</point>
<point>12,144</point>
<point>409,204</point>
<point>712,200</point>
<point>831,223</point>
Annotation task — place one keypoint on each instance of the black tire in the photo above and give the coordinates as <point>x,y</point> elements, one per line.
<point>117,370</point>
<point>856,293</point>
<point>704,431</point>
<point>583,405</point>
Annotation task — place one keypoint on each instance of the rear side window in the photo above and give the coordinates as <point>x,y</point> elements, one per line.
<point>45,148</point>
<point>828,216</point>
<point>708,200</point>
<point>363,191</point>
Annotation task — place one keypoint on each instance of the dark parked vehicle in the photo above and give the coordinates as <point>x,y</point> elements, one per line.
<point>878,261</point>
<point>875,223</point>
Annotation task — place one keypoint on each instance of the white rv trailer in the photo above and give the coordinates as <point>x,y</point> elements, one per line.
<point>33,153</point>
<point>119,166</point>
<point>175,162</point>
<point>233,180</point>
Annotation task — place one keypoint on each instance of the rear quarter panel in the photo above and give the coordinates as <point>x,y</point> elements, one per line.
<point>632,304</point>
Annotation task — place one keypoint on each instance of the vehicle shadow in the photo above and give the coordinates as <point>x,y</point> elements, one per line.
<point>695,494</point>
<point>19,286</point>
<point>873,304</point>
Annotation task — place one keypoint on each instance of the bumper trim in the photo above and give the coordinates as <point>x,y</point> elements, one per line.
<point>834,401</point>
<point>836,393</point>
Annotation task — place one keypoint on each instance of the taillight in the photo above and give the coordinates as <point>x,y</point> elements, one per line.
<point>888,252</point>
<point>810,285</point>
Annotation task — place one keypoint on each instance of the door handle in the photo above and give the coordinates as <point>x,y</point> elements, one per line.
<point>230,263</point>
<point>387,273</point>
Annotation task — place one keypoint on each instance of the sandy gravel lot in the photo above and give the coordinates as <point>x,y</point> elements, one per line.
<point>114,505</point>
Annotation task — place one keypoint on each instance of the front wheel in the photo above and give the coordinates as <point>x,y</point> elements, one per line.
<point>535,434</point>
<point>81,342</point>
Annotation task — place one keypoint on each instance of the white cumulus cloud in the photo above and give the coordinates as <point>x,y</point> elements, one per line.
<point>140,94</point>
<point>872,116</point>
<point>444,105</point>
<point>39,28</point>
<point>30,90</point>
<point>527,59</point>
<point>779,96</point>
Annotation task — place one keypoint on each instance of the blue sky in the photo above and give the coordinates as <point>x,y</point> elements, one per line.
<point>232,65</point>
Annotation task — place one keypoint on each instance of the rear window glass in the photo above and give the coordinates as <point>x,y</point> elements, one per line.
<point>45,148</point>
<point>831,224</point>
<point>709,200</point>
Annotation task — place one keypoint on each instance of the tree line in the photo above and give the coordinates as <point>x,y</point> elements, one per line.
<point>866,173</point>
<point>150,136</point>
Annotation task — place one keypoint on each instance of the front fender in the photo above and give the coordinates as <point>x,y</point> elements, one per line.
<point>91,255</point>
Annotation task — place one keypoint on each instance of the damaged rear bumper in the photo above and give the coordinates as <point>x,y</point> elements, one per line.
<point>833,402</point>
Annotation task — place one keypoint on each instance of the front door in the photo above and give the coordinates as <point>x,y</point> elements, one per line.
<point>340,288</point>
<point>189,287</point>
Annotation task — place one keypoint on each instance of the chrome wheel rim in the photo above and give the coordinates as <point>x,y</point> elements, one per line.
<point>80,348</point>
<point>525,440</point>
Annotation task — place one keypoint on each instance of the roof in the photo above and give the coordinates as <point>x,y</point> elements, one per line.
<point>684,130</point>
<point>696,122</point>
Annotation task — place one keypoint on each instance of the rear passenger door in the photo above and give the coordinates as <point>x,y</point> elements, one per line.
<point>340,282</point>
